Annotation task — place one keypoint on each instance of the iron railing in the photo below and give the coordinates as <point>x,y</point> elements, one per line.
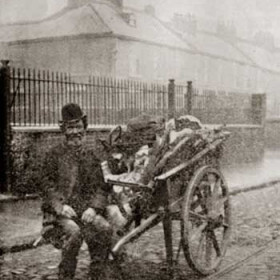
<point>37,97</point>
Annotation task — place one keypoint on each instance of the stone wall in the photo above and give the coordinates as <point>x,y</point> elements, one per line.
<point>272,133</point>
<point>28,149</point>
<point>245,145</point>
<point>41,140</point>
<point>246,142</point>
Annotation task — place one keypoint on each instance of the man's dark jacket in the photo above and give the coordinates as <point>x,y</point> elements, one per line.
<point>74,178</point>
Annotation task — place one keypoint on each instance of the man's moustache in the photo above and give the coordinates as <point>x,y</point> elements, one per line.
<point>75,135</point>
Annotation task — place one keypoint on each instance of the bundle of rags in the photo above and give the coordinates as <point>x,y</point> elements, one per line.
<point>140,131</point>
<point>179,144</point>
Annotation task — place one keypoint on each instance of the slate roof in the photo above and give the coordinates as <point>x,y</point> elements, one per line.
<point>70,22</point>
<point>147,27</point>
<point>103,19</point>
<point>95,18</point>
<point>262,57</point>
<point>210,43</point>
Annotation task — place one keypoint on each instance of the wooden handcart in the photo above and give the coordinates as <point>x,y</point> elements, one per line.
<point>195,193</point>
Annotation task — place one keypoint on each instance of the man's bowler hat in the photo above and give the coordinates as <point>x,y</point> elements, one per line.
<point>71,112</point>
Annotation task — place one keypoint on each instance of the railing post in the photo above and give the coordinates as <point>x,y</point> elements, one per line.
<point>189,95</point>
<point>171,98</point>
<point>4,125</point>
<point>258,111</point>
<point>258,108</point>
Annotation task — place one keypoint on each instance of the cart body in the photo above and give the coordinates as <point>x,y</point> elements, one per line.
<point>181,182</point>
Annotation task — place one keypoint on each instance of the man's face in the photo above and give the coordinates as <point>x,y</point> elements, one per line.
<point>74,133</point>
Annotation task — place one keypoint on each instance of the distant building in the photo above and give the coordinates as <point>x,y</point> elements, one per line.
<point>100,38</point>
<point>219,63</point>
<point>228,62</point>
<point>106,38</point>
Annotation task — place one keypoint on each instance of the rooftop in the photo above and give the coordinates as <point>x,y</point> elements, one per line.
<point>95,18</point>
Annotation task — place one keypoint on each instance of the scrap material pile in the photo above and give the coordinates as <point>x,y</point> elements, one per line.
<point>153,147</point>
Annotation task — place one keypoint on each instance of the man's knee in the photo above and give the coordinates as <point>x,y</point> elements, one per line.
<point>69,227</point>
<point>116,218</point>
<point>99,231</point>
<point>71,233</point>
<point>102,225</point>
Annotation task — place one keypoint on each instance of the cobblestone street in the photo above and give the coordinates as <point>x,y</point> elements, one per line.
<point>256,217</point>
<point>264,266</point>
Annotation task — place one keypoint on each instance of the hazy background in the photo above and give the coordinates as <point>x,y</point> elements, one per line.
<point>249,16</point>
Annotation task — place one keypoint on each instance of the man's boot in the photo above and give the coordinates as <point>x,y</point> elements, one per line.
<point>95,270</point>
<point>105,271</point>
<point>70,251</point>
<point>67,270</point>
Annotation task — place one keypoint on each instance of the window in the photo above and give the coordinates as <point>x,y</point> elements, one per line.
<point>130,18</point>
<point>134,66</point>
<point>157,66</point>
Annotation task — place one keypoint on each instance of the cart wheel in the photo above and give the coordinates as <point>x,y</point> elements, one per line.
<point>206,220</point>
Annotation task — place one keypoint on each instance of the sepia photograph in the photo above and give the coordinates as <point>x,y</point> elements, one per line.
<point>139,139</point>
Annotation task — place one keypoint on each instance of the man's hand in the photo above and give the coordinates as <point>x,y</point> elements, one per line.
<point>68,211</point>
<point>89,215</point>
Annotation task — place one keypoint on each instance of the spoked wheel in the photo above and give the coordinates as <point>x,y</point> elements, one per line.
<point>206,218</point>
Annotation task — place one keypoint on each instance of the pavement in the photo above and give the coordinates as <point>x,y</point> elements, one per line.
<point>20,223</point>
<point>250,174</point>
<point>21,219</point>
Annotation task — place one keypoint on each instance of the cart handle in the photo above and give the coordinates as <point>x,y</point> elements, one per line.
<point>135,233</point>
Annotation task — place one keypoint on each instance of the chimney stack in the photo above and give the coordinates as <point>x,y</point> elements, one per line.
<point>118,3</point>
<point>150,10</point>
<point>78,3</point>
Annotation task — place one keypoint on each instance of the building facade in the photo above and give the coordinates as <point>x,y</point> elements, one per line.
<point>104,38</point>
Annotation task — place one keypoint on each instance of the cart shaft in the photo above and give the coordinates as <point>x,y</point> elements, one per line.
<point>146,225</point>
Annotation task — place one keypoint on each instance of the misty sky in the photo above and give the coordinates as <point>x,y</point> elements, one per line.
<point>255,14</point>
<point>248,15</point>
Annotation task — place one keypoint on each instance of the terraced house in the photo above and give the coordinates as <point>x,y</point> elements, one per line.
<point>99,38</point>
<point>107,38</point>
